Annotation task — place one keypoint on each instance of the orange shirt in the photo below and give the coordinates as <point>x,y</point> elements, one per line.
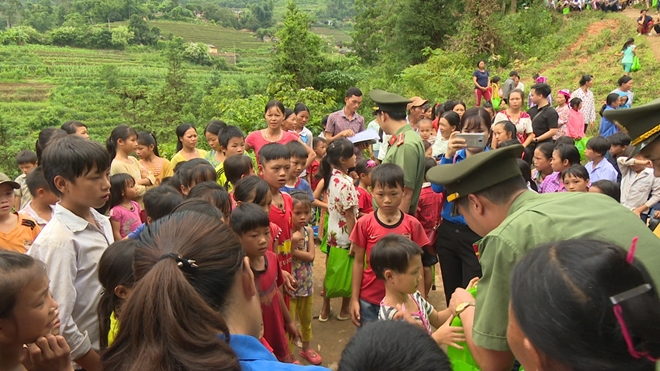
<point>21,237</point>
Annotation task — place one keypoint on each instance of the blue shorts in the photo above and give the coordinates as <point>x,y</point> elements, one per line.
<point>368,312</point>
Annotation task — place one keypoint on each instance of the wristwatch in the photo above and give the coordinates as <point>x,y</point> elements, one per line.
<point>460,308</point>
<point>536,140</point>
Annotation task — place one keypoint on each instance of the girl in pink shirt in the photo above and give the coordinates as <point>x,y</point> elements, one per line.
<point>575,124</point>
<point>124,212</point>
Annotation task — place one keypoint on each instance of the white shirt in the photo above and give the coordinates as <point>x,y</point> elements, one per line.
<point>71,247</point>
<point>29,211</point>
<point>636,188</point>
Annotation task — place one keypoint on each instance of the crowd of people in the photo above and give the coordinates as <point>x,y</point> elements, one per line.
<point>118,259</point>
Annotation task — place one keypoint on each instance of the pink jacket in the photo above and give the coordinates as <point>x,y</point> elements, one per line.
<point>575,124</point>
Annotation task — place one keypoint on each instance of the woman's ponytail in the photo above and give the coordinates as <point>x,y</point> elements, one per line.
<point>325,171</point>
<point>186,265</point>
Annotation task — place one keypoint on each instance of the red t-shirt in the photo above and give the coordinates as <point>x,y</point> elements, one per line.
<point>312,170</point>
<point>256,140</point>
<point>268,284</point>
<point>369,230</point>
<point>275,233</point>
<point>364,201</point>
<point>429,208</point>
<point>282,218</point>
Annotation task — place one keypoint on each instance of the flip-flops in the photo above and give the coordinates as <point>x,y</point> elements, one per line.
<point>340,318</point>
<point>321,319</point>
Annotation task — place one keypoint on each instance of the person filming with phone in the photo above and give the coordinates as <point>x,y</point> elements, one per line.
<point>458,262</point>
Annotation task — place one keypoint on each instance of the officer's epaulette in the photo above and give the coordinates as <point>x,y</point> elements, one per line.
<point>28,223</point>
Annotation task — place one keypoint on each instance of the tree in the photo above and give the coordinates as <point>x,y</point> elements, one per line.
<point>263,13</point>
<point>198,53</point>
<point>298,51</point>
<point>176,92</point>
<point>11,9</point>
<point>340,9</point>
<point>121,37</point>
<point>143,35</point>
<point>374,24</point>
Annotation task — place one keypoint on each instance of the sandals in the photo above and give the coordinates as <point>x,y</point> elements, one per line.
<point>312,357</point>
<point>340,318</point>
<point>326,319</point>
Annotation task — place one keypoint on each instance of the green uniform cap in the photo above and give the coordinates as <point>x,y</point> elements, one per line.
<point>388,102</point>
<point>477,172</point>
<point>642,123</point>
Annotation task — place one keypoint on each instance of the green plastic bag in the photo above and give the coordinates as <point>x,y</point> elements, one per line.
<point>496,103</point>
<point>461,359</point>
<point>581,145</point>
<point>636,66</point>
<point>655,4</point>
<point>324,240</point>
<point>566,10</point>
<point>338,273</point>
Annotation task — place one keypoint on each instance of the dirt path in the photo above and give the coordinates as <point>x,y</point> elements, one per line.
<point>654,39</point>
<point>330,338</point>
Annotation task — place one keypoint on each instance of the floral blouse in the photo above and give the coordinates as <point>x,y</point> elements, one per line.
<point>563,119</point>
<point>342,196</point>
<point>588,106</point>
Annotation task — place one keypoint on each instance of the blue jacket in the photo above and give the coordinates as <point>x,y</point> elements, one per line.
<point>607,127</point>
<point>446,209</point>
<point>252,355</point>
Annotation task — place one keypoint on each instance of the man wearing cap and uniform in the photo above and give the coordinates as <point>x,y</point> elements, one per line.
<point>491,194</point>
<point>405,146</point>
<point>17,231</point>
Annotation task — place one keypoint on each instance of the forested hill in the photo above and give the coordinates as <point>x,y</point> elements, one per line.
<point>149,64</point>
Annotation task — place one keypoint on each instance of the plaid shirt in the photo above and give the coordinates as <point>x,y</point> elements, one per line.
<point>338,122</point>
<point>429,207</point>
<point>552,183</point>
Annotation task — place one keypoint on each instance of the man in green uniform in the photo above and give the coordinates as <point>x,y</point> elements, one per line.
<point>406,148</point>
<point>643,126</point>
<point>490,193</point>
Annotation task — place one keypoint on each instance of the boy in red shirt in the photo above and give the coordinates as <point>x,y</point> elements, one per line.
<point>368,292</point>
<point>274,166</point>
<point>428,213</point>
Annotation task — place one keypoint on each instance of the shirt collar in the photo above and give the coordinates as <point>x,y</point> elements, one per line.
<point>73,221</point>
<point>403,129</point>
<point>521,200</point>
<point>248,348</point>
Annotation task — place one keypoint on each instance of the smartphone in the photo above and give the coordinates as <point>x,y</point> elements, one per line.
<point>473,140</point>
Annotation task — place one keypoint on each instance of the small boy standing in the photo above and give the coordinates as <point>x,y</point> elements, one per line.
<point>367,290</point>
<point>43,199</point>
<point>252,226</point>
<point>17,231</point>
<point>73,241</point>
<point>27,160</point>
<point>298,160</point>
<point>320,147</point>
<point>232,143</point>
<point>599,169</point>
<point>637,183</point>
<point>274,167</point>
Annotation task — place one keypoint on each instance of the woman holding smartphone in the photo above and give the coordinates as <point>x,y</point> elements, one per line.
<point>458,261</point>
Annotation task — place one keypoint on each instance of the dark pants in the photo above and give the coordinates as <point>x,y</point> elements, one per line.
<point>458,261</point>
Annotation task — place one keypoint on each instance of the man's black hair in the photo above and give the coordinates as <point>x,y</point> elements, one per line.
<point>160,201</point>
<point>247,217</point>
<point>353,92</point>
<point>228,133</point>
<point>542,89</point>
<point>273,151</point>
<point>514,73</point>
<point>393,346</point>
<point>72,157</point>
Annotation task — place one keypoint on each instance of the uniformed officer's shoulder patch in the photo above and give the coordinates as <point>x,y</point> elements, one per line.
<point>28,223</point>
<point>400,139</point>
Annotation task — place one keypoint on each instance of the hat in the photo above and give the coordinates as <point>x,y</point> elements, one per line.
<point>477,172</point>
<point>388,102</point>
<point>565,93</point>
<point>642,122</point>
<point>5,179</point>
<point>416,102</point>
